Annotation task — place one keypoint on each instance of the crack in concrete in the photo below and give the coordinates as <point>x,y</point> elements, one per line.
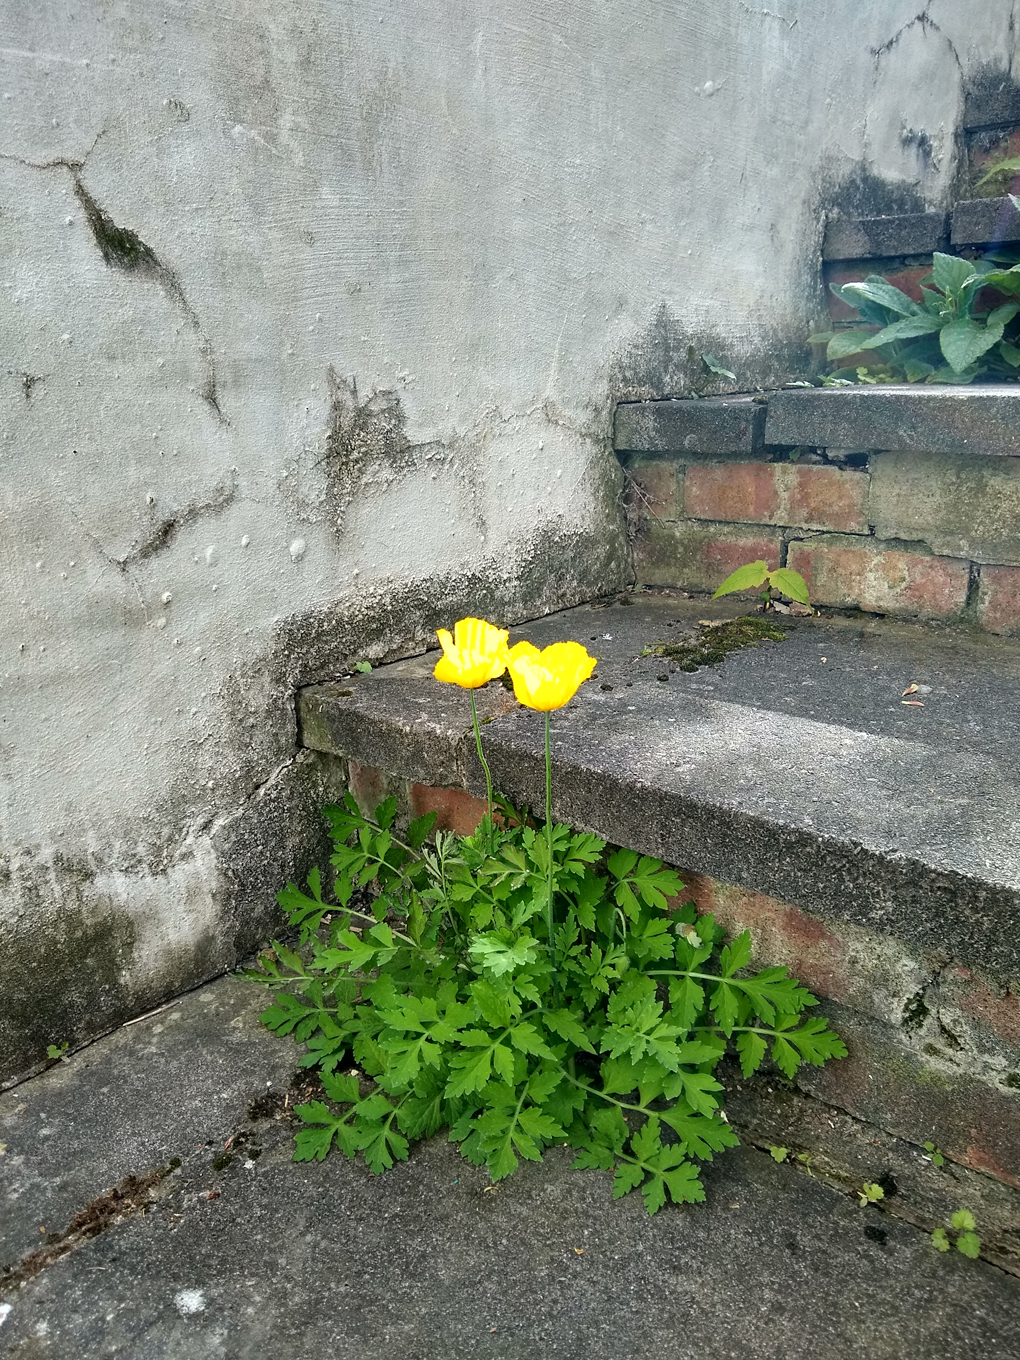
<point>130,1196</point>
<point>226,818</point>
<point>997,1251</point>
<point>927,23</point>
<point>769,14</point>
<point>168,528</point>
<point>122,248</point>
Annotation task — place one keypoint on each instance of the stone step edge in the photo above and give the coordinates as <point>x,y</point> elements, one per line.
<point>789,862</point>
<point>982,421</point>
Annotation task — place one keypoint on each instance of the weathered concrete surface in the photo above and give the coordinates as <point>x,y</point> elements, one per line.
<point>864,238</point>
<point>992,99</point>
<point>845,1151</point>
<point>150,1091</point>
<point>715,425</point>
<point>264,1257</point>
<point>958,506</point>
<point>314,321</point>
<point>981,420</point>
<point>795,769</point>
<point>980,220</point>
<point>389,723</point>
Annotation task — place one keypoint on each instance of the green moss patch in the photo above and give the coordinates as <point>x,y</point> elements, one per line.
<point>714,642</point>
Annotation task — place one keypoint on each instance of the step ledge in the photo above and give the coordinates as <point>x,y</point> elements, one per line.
<point>982,421</point>
<point>912,837</point>
<point>985,221</point>
<point>870,238</point>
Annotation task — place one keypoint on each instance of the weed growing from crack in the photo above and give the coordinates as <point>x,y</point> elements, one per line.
<point>967,1241</point>
<point>445,996</point>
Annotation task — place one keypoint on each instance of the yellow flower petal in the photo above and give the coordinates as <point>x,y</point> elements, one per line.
<point>446,671</point>
<point>549,679</point>
<point>475,654</point>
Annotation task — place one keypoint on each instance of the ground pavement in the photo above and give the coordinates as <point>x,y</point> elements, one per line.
<point>235,1252</point>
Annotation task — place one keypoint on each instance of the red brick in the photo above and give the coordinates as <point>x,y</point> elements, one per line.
<point>852,573</point>
<point>781,934</point>
<point>656,492</point>
<point>809,497</point>
<point>458,810</point>
<point>999,600</point>
<point>886,1083</point>
<point>697,557</point>
<point>995,1007</point>
<point>733,491</point>
<point>906,280</point>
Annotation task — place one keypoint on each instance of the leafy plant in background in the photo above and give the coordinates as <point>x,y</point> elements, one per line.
<point>521,986</point>
<point>946,338</point>
<point>784,580</point>
<point>1005,169</point>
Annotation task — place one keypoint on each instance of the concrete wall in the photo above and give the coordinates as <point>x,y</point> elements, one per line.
<point>314,312</point>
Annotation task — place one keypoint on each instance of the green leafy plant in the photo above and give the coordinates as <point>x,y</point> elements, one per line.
<point>363,667</point>
<point>952,336</point>
<point>714,366</point>
<point>425,992</point>
<point>779,1154</point>
<point>783,579</point>
<point>937,1159</point>
<point>967,1241</point>
<point>57,1052</point>
<point>1008,168</point>
<point>870,1193</point>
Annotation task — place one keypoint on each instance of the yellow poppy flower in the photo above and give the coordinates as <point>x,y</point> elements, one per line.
<point>475,654</point>
<point>548,679</point>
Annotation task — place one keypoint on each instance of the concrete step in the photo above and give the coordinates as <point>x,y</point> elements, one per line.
<point>794,768</point>
<point>983,421</point>
<point>248,1254</point>
<point>871,844</point>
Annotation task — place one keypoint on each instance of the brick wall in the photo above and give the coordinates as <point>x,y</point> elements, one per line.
<point>909,533</point>
<point>934,1048</point>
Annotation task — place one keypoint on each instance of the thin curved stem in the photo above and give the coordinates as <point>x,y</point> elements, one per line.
<point>484,764</point>
<point>604,1095</point>
<point>398,934</point>
<point>549,923</point>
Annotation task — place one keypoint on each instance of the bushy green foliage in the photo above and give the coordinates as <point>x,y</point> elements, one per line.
<point>443,987</point>
<point>951,336</point>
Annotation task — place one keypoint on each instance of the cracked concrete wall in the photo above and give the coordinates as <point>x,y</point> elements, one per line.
<point>313,318</point>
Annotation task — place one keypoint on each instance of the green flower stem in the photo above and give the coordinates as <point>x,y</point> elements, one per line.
<point>485,764</point>
<point>549,867</point>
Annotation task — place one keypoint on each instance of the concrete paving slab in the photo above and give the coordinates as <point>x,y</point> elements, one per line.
<point>714,426</point>
<point>150,1091</point>
<point>262,1257</point>
<point>863,238</point>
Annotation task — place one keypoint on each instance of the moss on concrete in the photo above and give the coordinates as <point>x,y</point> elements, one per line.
<point>714,642</point>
